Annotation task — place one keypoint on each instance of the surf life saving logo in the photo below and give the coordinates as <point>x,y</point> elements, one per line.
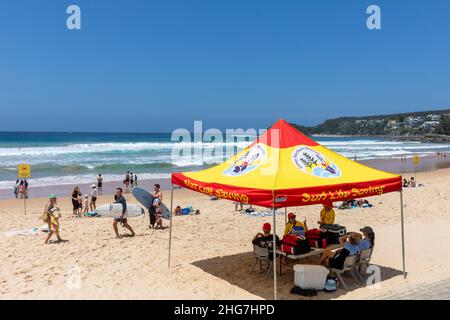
<point>315,163</point>
<point>248,162</point>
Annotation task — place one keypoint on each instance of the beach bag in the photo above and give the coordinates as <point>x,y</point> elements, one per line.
<point>45,216</point>
<point>303,292</point>
<point>330,285</point>
<point>317,238</point>
<point>295,245</point>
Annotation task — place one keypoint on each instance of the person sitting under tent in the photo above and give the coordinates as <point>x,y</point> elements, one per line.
<point>327,214</point>
<point>368,240</point>
<point>265,239</point>
<point>336,259</point>
<point>295,227</point>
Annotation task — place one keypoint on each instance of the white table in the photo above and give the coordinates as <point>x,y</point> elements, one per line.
<point>297,257</point>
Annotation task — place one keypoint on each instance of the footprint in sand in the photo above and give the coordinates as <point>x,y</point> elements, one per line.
<point>27,291</point>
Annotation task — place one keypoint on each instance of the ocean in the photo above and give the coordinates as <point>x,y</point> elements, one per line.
<point>68,158</point>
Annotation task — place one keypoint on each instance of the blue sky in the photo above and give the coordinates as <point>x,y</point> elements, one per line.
<point>159,65</point>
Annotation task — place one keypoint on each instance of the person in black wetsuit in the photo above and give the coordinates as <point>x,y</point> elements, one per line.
<point>119,198</point>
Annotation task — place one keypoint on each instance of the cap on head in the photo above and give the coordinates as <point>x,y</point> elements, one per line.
<point>367,230</point>
<point>52,196</point>
<point>93,186</point>
<point>291,215</point>
<point>267,226</point>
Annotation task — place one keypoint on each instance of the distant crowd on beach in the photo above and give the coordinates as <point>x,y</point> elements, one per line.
<point>130,181</point>
<point>21,189</point>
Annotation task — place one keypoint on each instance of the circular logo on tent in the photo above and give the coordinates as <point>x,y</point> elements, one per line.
<point>315,163</point>
<point>248,162</point>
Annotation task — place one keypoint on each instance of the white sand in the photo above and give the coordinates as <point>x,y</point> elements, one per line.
<point>211,252</point>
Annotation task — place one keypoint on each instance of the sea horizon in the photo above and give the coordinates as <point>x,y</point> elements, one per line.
<point>61,158</point>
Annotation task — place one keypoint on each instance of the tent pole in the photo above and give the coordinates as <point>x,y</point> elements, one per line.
<point>403,234</point>
<point>170,228</point>
<point>274,249</point>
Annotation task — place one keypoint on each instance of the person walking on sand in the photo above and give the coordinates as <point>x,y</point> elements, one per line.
<point>94,194</point>
<point>135,180</point>
<point>51,216</point>
<point>100,184</point>
<point>157,194</point>
<point>119,198</point>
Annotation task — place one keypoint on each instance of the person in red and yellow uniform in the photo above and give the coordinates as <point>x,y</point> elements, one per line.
<point>295,227</point>
<point>327,214</point>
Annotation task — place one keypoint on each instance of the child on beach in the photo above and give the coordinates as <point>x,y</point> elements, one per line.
<point>80,204</point>
<point>86,204</point>
<point>158,211</point>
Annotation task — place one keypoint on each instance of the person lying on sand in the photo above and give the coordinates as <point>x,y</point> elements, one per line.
<point>51,216</point>
<point>119,198</point>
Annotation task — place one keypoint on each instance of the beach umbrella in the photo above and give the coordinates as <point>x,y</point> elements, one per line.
<point>285,168</point>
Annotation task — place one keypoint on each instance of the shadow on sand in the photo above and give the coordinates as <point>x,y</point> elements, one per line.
<point>235,269</point>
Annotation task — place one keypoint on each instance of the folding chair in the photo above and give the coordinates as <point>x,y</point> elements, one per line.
<point>262,255</point>
<point>363,261</point>
<point>349,265</point>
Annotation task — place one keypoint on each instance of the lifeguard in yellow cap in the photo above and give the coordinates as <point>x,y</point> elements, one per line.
<point>327,214</point>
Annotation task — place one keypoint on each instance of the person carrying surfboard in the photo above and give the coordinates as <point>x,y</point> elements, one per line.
<point>119,198</point>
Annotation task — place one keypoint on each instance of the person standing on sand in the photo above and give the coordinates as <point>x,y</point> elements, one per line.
<point>51,216</point>
<point>100,183</point>
<point>75,205</point>
<point>22,189</point>
<point>135,180</point>
<point>16,189</point>
<point>157,194</point>
<point>327,214</point>
<point>131,180</point>
<point>93,198</point>
<point>119,198</point>
<point>126,181</point>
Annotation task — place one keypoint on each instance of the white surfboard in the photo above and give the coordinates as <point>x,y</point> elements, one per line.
<point>114,210</point>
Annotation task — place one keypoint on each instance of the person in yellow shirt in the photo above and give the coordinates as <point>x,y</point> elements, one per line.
<point>295,227</point>
<point>327,214</point>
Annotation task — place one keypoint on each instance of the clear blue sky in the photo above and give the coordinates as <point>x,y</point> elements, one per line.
<point>158,65</point>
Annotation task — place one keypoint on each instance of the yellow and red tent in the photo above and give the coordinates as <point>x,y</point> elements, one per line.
<point>285,168</point>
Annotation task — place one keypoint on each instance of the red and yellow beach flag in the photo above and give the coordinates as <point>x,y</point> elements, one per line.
<point>285,168</point>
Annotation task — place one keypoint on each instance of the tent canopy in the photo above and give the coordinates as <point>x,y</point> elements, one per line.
<point>285,168</point>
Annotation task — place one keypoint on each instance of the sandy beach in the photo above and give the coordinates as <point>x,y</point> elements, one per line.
<point>212,252</point>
